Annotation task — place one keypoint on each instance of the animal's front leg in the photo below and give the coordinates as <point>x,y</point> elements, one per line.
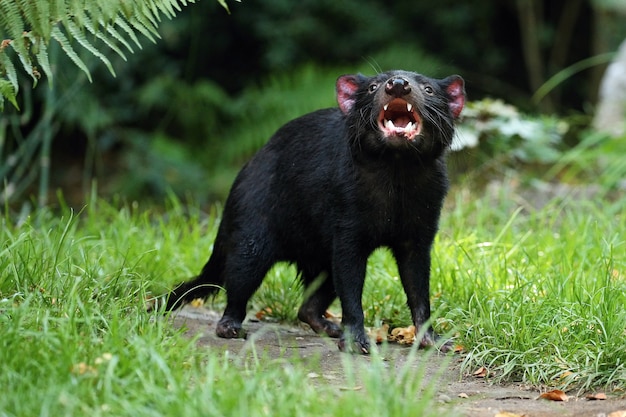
<point>349,276</point>
<point>414,268</point>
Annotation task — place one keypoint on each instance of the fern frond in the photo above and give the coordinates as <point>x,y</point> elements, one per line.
<point>7,69</point>
<point>44,62</point>
<point>118,37</point>
<point>79,36</point>
<point>7,91</point>
<point>42,8</point>
<point>60,37</point>
<point>25,58</point>
<point>145,17</point>
<point>11,19</point>
<point>30,25</point>
<point>143,26</point>
<point>93,29</point>
<point>119,21</point>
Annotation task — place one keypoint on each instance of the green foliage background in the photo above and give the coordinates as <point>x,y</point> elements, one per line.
<point>183,113</point>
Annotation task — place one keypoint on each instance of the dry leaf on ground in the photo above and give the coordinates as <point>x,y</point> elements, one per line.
<point>481,372</point>
<point>197,303</point>
<point>330,315</point>
<point>554,395</point>
<point>507,414</point>
<point>618,413</point>
<point>379,334</point>
<point>459,348</point>
<point>403,335</point>
<point>596,396</point>
<point>260,315</point>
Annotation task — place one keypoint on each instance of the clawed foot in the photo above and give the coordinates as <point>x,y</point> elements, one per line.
<point>430,339</point>
<point>354,344</point>
<point>320,324</point>
<point>229,328</point>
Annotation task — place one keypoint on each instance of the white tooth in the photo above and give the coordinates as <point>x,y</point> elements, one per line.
<point>385,107</point>
<point>409,127</point>
<point>389,124</point>
<point>409,107</point>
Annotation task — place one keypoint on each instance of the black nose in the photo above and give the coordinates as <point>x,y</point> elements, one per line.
<point>397,87</point>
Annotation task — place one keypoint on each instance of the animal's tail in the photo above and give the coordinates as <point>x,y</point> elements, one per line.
<point>205,284</point>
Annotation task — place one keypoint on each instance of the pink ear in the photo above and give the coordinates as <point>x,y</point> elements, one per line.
<point>347,86</point>
<point>456,93</point>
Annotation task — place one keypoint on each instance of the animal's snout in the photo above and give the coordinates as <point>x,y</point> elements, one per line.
<point>398,87</point>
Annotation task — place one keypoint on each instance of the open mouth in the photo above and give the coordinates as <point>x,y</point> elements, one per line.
<point>398,118</point>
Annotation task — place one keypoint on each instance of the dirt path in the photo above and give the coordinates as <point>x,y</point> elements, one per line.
<point>467,396</point>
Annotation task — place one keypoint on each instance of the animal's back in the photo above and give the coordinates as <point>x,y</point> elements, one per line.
<point>289,185</point>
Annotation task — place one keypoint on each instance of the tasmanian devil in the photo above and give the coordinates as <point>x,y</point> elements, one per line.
<point>330,187</point>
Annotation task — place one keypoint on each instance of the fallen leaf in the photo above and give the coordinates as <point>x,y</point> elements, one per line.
<point>83,369</point>
<point>554,395</point>
<point>260,315</point>
<point>197,303</point>
<point>507,414</point>
<point>596,396</point>
<point>618,413</point>
<point>356,388</point>
<point>379,334</point>
<point>106,357</point>
<point>330,315</point>
<point>565,374</point>
<point>459,348</point>
<point>481,372</point>
<point>403,335</point>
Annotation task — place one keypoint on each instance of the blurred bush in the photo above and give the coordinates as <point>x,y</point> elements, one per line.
<point>183,114</point>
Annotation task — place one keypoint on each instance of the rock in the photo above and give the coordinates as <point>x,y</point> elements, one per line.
<point>610,114</point>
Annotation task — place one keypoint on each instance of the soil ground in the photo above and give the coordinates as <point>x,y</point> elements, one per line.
<point>458,395</point>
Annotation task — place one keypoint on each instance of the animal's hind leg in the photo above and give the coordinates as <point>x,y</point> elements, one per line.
<point>320,294</point>
<point>244,274</point>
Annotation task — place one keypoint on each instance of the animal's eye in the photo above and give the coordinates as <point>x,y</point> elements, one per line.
<point>429,90</point>
<point>373,87</point>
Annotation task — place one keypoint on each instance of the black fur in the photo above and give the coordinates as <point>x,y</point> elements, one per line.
<point>329,188</point>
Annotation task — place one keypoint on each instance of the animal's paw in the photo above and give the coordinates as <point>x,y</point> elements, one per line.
<point>229,328</point>
<point>430,339</point>
<point>319,323</point>
<point>332,329</point>
<point>325,326</point>
<point>354,344</point>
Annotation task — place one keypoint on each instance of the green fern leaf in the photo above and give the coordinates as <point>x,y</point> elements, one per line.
<point>60,37</point>
<point>144,28</point>
<point>30,25</point>
<point>7,91</point>
<point>7,67</point>
<point>79,36</point>
<point>118,37</point>
<point>95,30</point>
<point>42,9</point>
<point>44,62</point>
<point>26,61</point>
<point>119,21</point>
<point>11,19</point>
<point>151,12</point>
<point>146,17</point>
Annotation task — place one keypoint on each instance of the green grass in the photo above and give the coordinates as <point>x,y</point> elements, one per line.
<point>542,296</point>
<point>76,339</point>
<point>533,294</point>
